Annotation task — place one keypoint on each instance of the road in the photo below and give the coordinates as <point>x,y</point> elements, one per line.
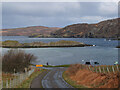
<point>36,83</point>
<point>54,79</point>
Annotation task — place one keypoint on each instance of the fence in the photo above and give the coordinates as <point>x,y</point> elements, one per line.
<point>17,80</point>
<point>102,68</point>
<point>0,80</point>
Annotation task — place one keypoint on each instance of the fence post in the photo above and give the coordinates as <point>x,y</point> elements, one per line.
<point>20,78</point>
<point>103,70</point>
<point>100,69</point>
<point>96,69</point>
<point>113,69</point>
<point>92,68</point>
<point>2,84</point>
<point>89,67</point>
<point>7,83</point>
<point>81,66</point>
<point>108,69</point>
<point>86,67</point>
<point>117,68</point>
<point>10,83</point>
<point>13,83</point>
<point>17,81</point>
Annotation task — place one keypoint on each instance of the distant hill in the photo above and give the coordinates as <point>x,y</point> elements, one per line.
<point>104,29</point>
<point>26,31</point>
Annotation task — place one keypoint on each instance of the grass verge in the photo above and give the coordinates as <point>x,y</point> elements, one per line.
<point>27,82</point>
<point>71,82</point>
<point>67,65</point>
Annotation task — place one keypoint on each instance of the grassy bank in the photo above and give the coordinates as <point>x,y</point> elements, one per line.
<point>78,76</point>
<point>71,82</point>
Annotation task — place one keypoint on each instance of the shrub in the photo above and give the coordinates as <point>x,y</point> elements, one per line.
<point>16,60</point>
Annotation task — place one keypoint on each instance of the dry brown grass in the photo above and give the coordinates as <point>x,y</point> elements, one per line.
<point>92,79</point>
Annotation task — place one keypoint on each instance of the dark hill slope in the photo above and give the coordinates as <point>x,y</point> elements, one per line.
<point>104,29</point>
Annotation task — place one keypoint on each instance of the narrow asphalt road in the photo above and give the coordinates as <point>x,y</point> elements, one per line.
<point>36,83</point>
<point>54,79</point>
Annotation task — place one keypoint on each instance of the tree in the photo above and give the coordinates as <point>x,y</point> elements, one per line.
<point>16,59</point>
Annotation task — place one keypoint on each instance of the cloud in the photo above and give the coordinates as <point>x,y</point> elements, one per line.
<point>108,9</point>
<point>55,14</point>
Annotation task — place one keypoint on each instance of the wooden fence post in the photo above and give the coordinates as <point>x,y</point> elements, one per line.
<point>86,67</point>
<point>113,69</point>
<point>20,78</point>
<point>108,69</point>
<point>10,83</point>
<point>81,66</point>
<point>96,70</point>
<point>2,84</point>
<point>117,68</point>
<point>103,70</point>
<point>89,67</point>
<point>100,69</point>
<point>13,83</point>
<point>7,83</point>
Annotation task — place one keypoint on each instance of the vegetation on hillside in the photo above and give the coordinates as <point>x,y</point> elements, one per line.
<point>104,29</point>
<point>27,31</point>
<point>92,77</point>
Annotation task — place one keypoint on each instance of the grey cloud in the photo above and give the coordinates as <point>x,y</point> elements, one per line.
<point>55,14</point>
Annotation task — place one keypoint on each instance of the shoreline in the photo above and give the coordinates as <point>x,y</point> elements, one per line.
<point>61,43</point>
<point>45,46</point>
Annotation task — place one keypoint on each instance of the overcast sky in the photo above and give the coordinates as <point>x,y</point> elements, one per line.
<point>57,14</point>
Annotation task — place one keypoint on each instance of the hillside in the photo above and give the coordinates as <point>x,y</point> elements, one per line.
<point>104,29</point>
<point>29,31</point>
<point>79,75</point>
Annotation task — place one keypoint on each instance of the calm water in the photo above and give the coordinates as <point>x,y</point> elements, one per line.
<point>105,51</point>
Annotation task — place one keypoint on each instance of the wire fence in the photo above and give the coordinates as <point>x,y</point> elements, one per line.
<point>13,82</point>
<point>102,68</point>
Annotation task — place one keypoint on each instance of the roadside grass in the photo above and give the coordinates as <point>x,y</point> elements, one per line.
<point>27,82</point>
<point>71,82</point>
<point>67,65</point>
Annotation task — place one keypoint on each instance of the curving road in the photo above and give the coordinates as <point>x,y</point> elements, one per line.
<point>54,79</point>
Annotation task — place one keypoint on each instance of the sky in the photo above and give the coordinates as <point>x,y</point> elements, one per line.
<point>55,14</point>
